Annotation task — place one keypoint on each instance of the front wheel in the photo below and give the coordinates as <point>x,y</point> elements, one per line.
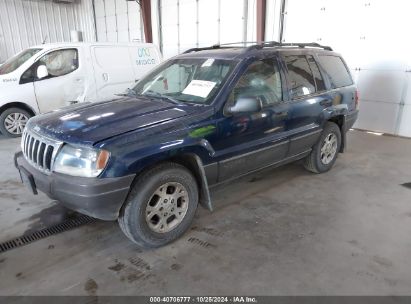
<point>325,151</point>
<point>160,206</point>
<point>13,121</point>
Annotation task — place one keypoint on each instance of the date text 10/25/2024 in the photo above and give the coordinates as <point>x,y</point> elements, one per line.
<point>203,299</point>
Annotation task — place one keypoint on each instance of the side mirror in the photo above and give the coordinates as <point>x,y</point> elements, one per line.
<point>246,105</point>
<point>42,72</point>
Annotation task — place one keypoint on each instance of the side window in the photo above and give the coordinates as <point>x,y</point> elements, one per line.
<point>60,62</point>
<point>335,70</point>
<point>300,76</point>
<point>319,81</point>
<point>261,79</point>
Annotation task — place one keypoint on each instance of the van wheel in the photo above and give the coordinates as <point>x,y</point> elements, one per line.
<point>160,206</point>
<point>325,151</point>
<point>13,122</point>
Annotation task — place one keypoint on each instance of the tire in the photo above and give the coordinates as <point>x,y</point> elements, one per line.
<point>18,115</point>
<point>146,200</point>
<point>319,162</point>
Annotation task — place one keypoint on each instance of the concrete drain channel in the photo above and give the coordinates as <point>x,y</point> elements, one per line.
<point>46,232</point>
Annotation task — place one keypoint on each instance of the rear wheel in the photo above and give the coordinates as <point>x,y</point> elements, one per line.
<point>161,206</point>
<point>325,152</point>
<point>13,121</point>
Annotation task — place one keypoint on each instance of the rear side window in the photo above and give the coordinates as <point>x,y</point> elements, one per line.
<point>300,76</point>
<point>335,70</point>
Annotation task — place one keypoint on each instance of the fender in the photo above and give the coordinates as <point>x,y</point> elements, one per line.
<point>190,152</point>
<point>17,104</point>
<point>196,166</point>
<point>193,162</point>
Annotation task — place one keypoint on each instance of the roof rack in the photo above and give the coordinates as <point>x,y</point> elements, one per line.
<point>218,46</point>
<point>278,44</point>
<point>260,46</point>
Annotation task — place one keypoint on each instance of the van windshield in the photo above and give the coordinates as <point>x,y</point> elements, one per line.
<point>186,80</point>
<point>15,62</point>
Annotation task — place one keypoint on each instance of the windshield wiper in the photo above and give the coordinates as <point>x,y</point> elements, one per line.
<point>128,92</point>
<point>156,94</point>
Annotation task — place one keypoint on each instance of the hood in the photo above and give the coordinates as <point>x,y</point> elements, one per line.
<point>89,123</point>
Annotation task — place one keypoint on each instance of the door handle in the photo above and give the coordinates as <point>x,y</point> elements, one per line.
<point>105,76</point>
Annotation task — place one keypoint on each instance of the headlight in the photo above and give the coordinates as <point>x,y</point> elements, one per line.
<point>84,162</point>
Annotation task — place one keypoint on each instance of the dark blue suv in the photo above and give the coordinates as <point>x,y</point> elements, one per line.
<point>202,118</point>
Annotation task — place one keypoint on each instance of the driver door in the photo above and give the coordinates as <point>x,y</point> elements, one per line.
<point>65,82</point>
<point>251,141</point>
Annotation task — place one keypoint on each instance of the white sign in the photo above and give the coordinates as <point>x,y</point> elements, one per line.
<point>199,88</point>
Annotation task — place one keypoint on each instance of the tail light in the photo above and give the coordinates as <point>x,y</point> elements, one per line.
<point>356,99</point>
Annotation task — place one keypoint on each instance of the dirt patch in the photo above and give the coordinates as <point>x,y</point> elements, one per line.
<point>209,231</point>
<point>117,267</point>
<point>382,261</point>
<point>9,196</point>
<point>201,243</point>
<point>11,184</point>
<point>91,287</point>
<point>140,263</point>
<point>19,275</point>
<point>48,217</point>
<point>176,267</point>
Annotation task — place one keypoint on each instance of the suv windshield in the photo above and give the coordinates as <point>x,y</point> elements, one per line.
<point>15,62</point>
<point>186,80</point>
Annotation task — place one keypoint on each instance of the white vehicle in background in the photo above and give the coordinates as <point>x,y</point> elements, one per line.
<point>50,76</point>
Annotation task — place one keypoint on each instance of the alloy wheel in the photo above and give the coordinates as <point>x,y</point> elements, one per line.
<point>329,148</point>
<point>15,123</point>
<point>167,207</point>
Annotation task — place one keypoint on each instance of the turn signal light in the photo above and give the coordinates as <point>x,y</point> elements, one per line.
<point>102,159</point>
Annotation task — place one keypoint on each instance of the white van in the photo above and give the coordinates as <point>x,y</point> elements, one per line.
<point>49,76</point>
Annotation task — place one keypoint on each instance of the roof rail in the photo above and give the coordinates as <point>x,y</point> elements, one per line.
<point>278,44</point>
<point>312,44</point>
<point>215,46</point>
<point>260,46</point>
<point>218,46</point>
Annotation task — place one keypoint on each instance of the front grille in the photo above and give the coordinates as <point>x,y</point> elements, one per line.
<point>39,151</point>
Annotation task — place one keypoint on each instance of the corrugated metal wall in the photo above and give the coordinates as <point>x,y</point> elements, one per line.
<point>118,21</point>
<point>24,23</point>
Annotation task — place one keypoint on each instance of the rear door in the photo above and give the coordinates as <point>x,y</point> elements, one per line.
<point>112,69</point>
<point>307,100</point>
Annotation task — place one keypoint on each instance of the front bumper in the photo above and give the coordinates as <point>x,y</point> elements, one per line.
<point>101,198</point>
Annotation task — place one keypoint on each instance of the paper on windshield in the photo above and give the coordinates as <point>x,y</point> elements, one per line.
<point>199,88</point>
